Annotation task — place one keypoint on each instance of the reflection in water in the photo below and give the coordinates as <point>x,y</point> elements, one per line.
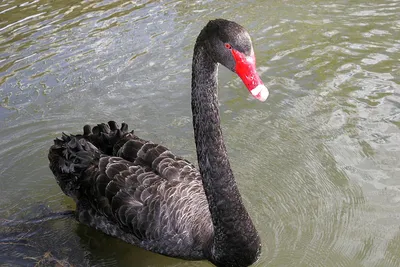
<point>316,164</point>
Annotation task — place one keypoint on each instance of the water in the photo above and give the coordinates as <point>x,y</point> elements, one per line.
<point>318,164</point>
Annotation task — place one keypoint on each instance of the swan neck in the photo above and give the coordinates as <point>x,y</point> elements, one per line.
<point>232,224</point>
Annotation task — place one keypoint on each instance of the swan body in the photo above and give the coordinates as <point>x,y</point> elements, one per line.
<point>142,193</point>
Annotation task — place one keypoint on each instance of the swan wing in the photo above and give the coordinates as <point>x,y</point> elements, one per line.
<point>134,189</point>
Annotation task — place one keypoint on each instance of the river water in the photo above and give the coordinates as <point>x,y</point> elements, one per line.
<point>318,164</point>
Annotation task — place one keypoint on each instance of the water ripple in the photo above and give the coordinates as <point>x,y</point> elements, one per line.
<point>317,164</point>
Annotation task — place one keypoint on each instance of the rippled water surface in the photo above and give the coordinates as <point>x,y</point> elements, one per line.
<point>318,164</point>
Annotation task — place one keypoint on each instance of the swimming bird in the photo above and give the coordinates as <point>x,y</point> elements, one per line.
<point>144,194</point>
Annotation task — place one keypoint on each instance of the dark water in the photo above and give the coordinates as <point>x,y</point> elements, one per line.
<point>318,164</point>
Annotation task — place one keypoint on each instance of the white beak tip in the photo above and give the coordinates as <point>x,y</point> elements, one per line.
<point>260,92</point>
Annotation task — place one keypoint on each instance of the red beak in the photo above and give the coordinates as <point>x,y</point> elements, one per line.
<point>246,69</point>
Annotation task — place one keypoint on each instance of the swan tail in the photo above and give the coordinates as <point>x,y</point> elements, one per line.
<point>70,157</point>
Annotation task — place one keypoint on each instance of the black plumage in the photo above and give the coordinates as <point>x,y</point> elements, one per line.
<point>145,195</point>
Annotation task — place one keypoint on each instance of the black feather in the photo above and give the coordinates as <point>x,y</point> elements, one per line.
<point>143,194</point>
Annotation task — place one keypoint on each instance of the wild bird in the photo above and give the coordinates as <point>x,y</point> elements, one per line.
<point>142,193</point>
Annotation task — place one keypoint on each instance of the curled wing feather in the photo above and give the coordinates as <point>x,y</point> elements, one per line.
<point>151,194</point>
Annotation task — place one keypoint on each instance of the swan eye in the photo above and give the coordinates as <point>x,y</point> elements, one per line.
<point>228,46</point>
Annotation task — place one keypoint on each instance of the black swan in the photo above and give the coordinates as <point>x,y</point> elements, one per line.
<point>143,194</point>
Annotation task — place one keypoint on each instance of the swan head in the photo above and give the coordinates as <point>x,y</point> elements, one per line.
<point>229,44</point>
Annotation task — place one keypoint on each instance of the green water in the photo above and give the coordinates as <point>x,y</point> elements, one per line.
<point>318,164</point>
